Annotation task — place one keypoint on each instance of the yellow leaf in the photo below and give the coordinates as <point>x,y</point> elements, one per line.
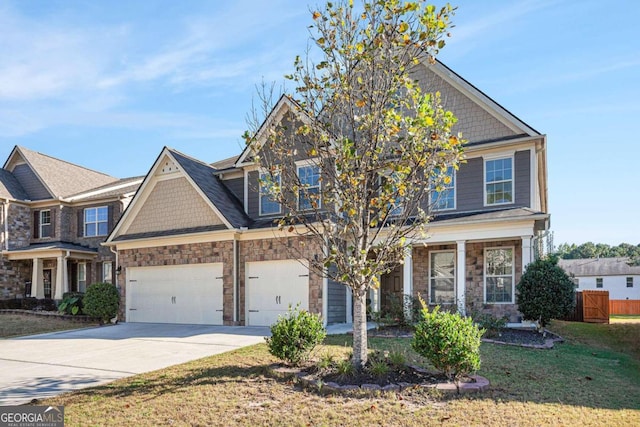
<point>316,15</point>
<point>360,103</point>
<point>404,27</point>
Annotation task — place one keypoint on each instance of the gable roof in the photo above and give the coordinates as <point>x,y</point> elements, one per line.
<point>10,188</point>
<point>203,176</point>
<point>120,187</point>
<point>227,163</point>
<point>599,267</point>
<point>510,120</point>
<point>59,177</point>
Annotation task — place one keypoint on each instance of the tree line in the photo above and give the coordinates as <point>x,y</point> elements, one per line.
<point>597,250</point>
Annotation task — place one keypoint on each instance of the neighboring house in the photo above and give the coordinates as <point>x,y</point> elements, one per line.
<point>605,274</point>
<point>198,244</point>
<point>53,217</point>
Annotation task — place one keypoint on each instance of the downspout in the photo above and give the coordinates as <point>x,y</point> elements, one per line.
<point>117,266</point>
<point>5,218</point>
<point>236,282</point>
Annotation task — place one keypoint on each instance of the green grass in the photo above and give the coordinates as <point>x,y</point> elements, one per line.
<point>15,325</point>
<point>574,384</point>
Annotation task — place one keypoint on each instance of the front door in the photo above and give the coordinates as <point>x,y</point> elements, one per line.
<point>46,275</point>
<point>391,297</point>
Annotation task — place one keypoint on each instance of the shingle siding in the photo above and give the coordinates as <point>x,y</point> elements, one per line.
<point>236,186</point>
<point>522,174</point>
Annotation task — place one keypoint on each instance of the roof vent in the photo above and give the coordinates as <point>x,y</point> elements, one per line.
<point>168,166</point>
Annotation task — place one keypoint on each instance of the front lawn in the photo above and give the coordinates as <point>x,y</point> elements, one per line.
<point>15,325</point>
<point>574,384</point>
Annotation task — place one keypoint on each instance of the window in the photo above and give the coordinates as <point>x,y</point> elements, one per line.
<point>82,277</point>
<point>309,193</point>
<point>446,197</point>
<point>106,273</point>
<point>498,181</point>
<point>442,277</point>
<point>498,275</point>
<point>268,206</point>
<point>629,282</point>
<point>598,282</point>
<point>96,221</point>
<point>576,281</point>
<point>45,223</point>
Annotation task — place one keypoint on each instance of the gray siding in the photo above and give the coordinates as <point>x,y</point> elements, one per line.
<point>253,199</point>
<point>30,182</point>
<point>236,186</point>
<point>522,175</point>
<point>470,184</point>
<point>469,191</point>
<point>336,301</point>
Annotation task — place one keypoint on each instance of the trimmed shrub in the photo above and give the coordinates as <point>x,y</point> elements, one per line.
<point>30,303</point>
<point>11,304</point>
<point>449,341</point>
<point>71,303</point>
<point>492,325</point>
<point>295,335</point>
<point>101,301</point>
<point>545,291</point>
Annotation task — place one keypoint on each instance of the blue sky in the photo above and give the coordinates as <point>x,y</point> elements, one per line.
<point>107,86</point>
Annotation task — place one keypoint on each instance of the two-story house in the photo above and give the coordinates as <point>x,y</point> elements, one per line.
<point>198,243</point>
<point>54,215</point>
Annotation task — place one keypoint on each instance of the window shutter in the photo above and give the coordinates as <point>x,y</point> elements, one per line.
<point>109,219</point>
<point>99,272</point>
<point>81,223</point>
<point>88,272</point>
<point>36,224</point>
<point>53,223</point>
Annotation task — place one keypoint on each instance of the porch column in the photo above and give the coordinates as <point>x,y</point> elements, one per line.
<point>526,252</point>
<point>407,279</point>
<point>37,287</point>
<point>461,276</point>
<point>62,285</point>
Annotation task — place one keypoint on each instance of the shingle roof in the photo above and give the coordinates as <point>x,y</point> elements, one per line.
<point>599,267</point>
<point>54,245</point>
<point>64,178</point>
<point>225,163</point>
<point>203,175</point>
<point>114,189</point>
<point>165,233</point>
<point>10,188</point>
<point>498,214</point>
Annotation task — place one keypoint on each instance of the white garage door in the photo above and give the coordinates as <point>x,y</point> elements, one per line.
<point>272,286</point>
<point>190,294</point>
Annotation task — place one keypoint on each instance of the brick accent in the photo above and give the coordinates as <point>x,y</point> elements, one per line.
<point>281,249</point>
<point>474,280</point>
<point>197,253</point>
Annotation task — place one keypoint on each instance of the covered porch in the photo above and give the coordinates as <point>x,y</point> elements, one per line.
<point>56,268</point>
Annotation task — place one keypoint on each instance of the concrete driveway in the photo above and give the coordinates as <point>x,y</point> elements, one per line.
<point>46,365</point>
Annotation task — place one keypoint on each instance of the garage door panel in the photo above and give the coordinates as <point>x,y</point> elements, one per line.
<point>189,294</point>
<point>272,286</point>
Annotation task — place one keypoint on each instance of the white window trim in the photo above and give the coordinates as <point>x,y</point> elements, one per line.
<point>104,268</point>
<point>455,195</point>
<point>262,172</point>
<point>306,163</point>
<point>42,224</point>
<point>513,274</point>
<point>486,159</point>
<point>82,267</point>
<point>84,221</point>
<point>455,279</point>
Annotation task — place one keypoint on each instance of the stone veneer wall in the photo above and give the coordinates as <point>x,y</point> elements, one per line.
<point>474,280</point>
<point>19,226</point>
<point>277,249</point>
<point>196,253</point>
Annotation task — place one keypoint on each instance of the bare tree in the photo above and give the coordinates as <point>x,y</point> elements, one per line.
<point>362,146</point>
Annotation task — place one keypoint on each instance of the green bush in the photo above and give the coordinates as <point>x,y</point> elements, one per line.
<point>71,303</point>
<point>101,301</point>
<point>491,324</point>
<point>449,341</point>
<point>295,335</point>
<point>545,291</point>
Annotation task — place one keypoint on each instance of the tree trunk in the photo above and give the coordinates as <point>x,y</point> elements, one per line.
<point>360,345</point>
